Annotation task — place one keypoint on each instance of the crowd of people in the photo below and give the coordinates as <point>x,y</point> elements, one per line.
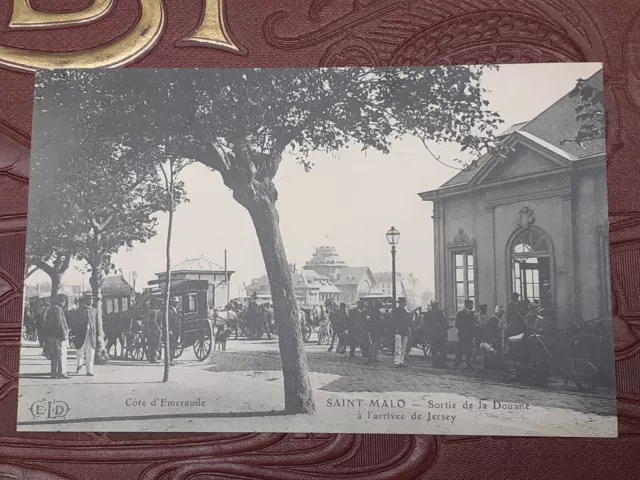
<point>59,329</point>
<point>479,333</point>
<point>365,327</point>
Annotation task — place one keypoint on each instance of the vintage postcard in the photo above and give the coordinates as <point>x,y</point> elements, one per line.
<point>393,250</point>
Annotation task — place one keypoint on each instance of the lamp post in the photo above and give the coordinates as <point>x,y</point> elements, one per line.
<point>134,275</point>
<point>393,236</point>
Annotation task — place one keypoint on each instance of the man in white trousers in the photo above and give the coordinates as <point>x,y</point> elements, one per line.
<point>401,325</point>
<point>86,340</point>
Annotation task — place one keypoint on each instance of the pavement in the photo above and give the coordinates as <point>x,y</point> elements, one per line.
<point>241,389</point>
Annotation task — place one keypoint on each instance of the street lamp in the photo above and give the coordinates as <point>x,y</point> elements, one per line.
<point>134,275</point>
<point>393,237</point>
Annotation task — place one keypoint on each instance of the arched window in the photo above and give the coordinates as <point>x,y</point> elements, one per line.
<point>530,259</point>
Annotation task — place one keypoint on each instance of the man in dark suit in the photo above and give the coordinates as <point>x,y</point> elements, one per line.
<point>437,331</point>
<point>374,329</point>
<point>401,326</point>
<point>175,326</point>
<point>56,333</point>
<point>514,310</point>
<point>466,324</point>
<point>153,329</point>
<point>357,321</point>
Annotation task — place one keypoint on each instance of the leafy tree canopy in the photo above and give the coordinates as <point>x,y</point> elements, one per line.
<point>243,120</point>
<point>590,111</point>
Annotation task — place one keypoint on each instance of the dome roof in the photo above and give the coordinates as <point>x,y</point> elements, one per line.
<point>325,255</point>
<point>197,265</point>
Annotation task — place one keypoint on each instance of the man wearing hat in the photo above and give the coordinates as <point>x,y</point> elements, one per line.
<point>86,340</point>
<point>340,325</point>
<point>153,330</point>
<point>466,324</point>
<point>174,326</point>
<point>514,324</point>
<point>437,327</point>
<point>401,326</point>
<point>56,333</point>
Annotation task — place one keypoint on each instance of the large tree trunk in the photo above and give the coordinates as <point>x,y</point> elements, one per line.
<point>56,278</point>
<point>298,394</point>
<point>96,290</point>
<point>167,341</point>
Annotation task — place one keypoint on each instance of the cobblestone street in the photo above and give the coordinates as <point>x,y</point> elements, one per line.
<point>356,375</point>
<point>241,389</point>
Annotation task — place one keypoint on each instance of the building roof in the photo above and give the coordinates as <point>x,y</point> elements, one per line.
<point>555,129</point>
<point>513,128</point>
<point>352,275</point>
<point>197,264</point>
<point>302,279</point>
<point>116,285</point>
<point>385,277</point>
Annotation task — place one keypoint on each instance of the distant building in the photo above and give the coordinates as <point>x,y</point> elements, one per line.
<point>325,276</point>
<point>384,283</point>
<point>406,286</point>
<point>354,283</point>
<point>311,288</point>
<point>326,261</point>
<point>203,269</point>
<point>117,294</point>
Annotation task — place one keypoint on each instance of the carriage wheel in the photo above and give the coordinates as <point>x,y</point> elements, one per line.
<point>202,345</point>
<point>306,332</point>
<point>178,350</point>
<point>136,348</point>
<point>426,348</point>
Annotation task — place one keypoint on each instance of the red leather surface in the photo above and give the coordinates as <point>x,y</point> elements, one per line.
<point>341,33</point>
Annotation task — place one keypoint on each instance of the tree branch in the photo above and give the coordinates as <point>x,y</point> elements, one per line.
<point>28,273</point>
<point>42,265</point>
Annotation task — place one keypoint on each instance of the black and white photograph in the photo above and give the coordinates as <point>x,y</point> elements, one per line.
<point>347,250</point>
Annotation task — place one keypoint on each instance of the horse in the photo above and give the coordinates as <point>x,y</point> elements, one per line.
<point>228,318</point>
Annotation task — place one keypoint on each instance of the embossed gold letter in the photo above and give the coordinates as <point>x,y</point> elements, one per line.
<point>212,31</point>
<point>137,42</point>
<point>25,16</point>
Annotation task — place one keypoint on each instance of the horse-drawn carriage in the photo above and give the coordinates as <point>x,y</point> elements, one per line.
<point>315,320</point>
<point>195,328</point>
<point>125,332</point>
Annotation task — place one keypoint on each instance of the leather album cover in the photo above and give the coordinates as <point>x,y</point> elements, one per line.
<point>322,33</point>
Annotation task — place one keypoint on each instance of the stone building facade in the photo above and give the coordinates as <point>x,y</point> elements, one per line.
<point>534,212</point>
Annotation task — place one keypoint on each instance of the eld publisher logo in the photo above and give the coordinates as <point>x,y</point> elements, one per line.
<point>49,409</point>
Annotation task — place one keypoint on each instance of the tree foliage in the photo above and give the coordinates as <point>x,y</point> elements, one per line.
<point>95,192</point>
<point>589,111</point>
<point>240,123</point>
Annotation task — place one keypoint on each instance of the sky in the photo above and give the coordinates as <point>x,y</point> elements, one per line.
<point>348,200</point>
